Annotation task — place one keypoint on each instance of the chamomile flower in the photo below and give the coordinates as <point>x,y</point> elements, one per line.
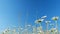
<point>55,18</point>
<point>39,20</point>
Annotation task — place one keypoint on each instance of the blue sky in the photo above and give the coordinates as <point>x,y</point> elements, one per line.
<point>13,12</point>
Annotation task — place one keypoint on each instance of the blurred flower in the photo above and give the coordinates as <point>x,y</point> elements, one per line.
<point>36,21</point>
<point>39,28</point>
<point>55,18</point>
<point>39,20</point>
<point>53,30</point>
<point>47,22</point>
<point>43,17</point>
<point>2,32</point>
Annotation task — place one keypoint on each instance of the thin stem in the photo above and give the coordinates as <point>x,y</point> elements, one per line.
<point>56,26</point>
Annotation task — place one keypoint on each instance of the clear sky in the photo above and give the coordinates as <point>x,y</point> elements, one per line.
<point>13,12</point>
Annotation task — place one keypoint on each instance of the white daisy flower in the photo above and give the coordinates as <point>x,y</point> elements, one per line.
<point>39,20</point>
<point>55,18</point>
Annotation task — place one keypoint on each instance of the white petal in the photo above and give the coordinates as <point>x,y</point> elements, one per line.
<point>44,17</point>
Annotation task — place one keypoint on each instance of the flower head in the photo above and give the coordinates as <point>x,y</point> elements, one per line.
<point>53,30</point>
<point>55,18</point>
<point>39,20</point>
